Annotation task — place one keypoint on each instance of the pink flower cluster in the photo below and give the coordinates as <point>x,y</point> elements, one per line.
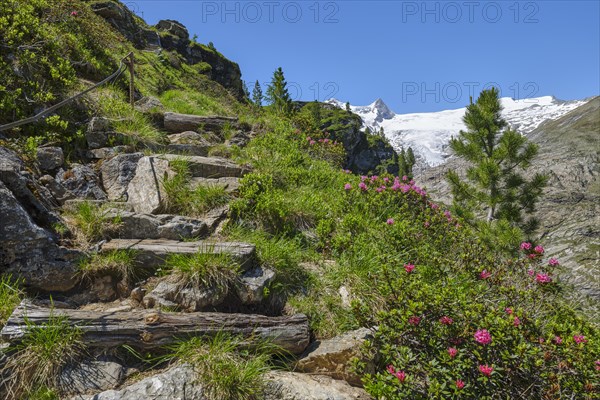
<point>579,339</point>
<point>553,262</point>
<point>312,141</point>
<point>409,268</point>
<point>401,375</point>
<point>445,320</point>
<point>484,274</point>
<point>483,336</point>
<point>486,369</point>
<point>459,384</point>
<point>543,278</point>
<point>452,352</point>
<point>414,320</point>
<point>390,221</point>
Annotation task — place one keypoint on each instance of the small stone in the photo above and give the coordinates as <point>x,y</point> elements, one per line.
<point>252,285</point>
<point>91,375</point>
<point>98,132</point>
<point>50,158</point>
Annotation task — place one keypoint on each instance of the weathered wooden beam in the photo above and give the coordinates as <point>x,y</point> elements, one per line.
<point>177,123</point>
<point>147,329</point>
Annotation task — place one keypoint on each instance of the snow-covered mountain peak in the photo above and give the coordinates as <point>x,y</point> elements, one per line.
<point>428,133</point>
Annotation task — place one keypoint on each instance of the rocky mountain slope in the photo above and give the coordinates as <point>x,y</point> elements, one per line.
<point>428,133</point>
<point>570,207</point>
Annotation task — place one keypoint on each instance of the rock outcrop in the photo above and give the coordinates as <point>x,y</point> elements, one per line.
<point>27,247</point>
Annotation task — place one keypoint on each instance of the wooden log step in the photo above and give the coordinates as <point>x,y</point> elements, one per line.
<point>144,329</point>
<point>210,167</point>
<point>176,123</point>
<point>151,253</point>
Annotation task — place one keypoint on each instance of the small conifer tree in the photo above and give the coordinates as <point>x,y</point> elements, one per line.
<point>498,158</point>
<point>257,95</point>
<point>278,95</point>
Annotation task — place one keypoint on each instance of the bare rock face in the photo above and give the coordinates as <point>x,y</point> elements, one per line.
<point>145,191</point>
<point>332,357</point>
<point>27,248</point>
<point>294,386</point>
<point>116,174</point>
<point>177,383</point>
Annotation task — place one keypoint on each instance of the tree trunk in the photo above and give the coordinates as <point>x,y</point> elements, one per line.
<point>147,329</point>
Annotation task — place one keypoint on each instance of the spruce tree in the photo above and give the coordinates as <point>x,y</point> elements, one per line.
<point>257,95</point>
<point>278,95</point>
<point>245,90</point>
<point>498,158</point>
<point>348,107</point>
<point>406,161</point>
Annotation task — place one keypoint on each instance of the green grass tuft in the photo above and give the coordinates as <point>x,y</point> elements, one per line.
<point>89,222</point>
<point>35,363</point>
<point>226,367</point>
<point>203,269</point>
<point>120,263</point>
<point>11,295</point>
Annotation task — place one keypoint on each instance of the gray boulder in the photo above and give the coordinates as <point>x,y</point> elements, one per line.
<point>82,181</point>
<point>58,191</point>
<point>174,291</point>
<point>50,158</point>
<point>145,191</point>
<point>164,226</point>
<point>294,386</point>
<point>251,287</point>
<point>177,383</point>
<point>116,174</point>
<point>332,357</point>
<point>91,376</point>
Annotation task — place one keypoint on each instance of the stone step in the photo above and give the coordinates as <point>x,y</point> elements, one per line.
<point>151,253</point>
<point>230,184</point>
<point>188,149</point>
<point>176,123</point>
<point>210,167</point>
<point>162,226</point>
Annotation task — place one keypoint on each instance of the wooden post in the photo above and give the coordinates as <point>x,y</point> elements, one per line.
<point>131,74</point>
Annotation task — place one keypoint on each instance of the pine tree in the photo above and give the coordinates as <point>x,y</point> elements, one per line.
<point>348,106</point>
<point>498,156</point>
<point>257,95</point>
<point>315,112</point>
<point>410,161</point>
<point>278,95</point>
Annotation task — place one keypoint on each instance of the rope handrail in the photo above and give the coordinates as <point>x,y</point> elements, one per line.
<point>47,111</point>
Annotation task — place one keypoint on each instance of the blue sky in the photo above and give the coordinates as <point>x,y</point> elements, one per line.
<point>415,55</point>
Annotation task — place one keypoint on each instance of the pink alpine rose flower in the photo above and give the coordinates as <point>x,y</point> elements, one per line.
<point>409,268</point>
<point>508,310</point>
<point>525,246</point>
<point>362,186</point>
<point>390,221</point>
<point>553,262</point>
<point>542,278</point>
<point>452,352</point>
<point>459,384</point>
<point>484,274</point>
<point>539,249</point>
<point>483,336</point>
<point>579,339</point>
<point>557,340</point>
<point>486,369</point>
<point>445,320</point>
<point>347,186</point>
<point>414,320</point>
<point>516,321</point>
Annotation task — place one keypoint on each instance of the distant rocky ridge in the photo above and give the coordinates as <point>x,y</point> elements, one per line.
<point>428,133</point>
